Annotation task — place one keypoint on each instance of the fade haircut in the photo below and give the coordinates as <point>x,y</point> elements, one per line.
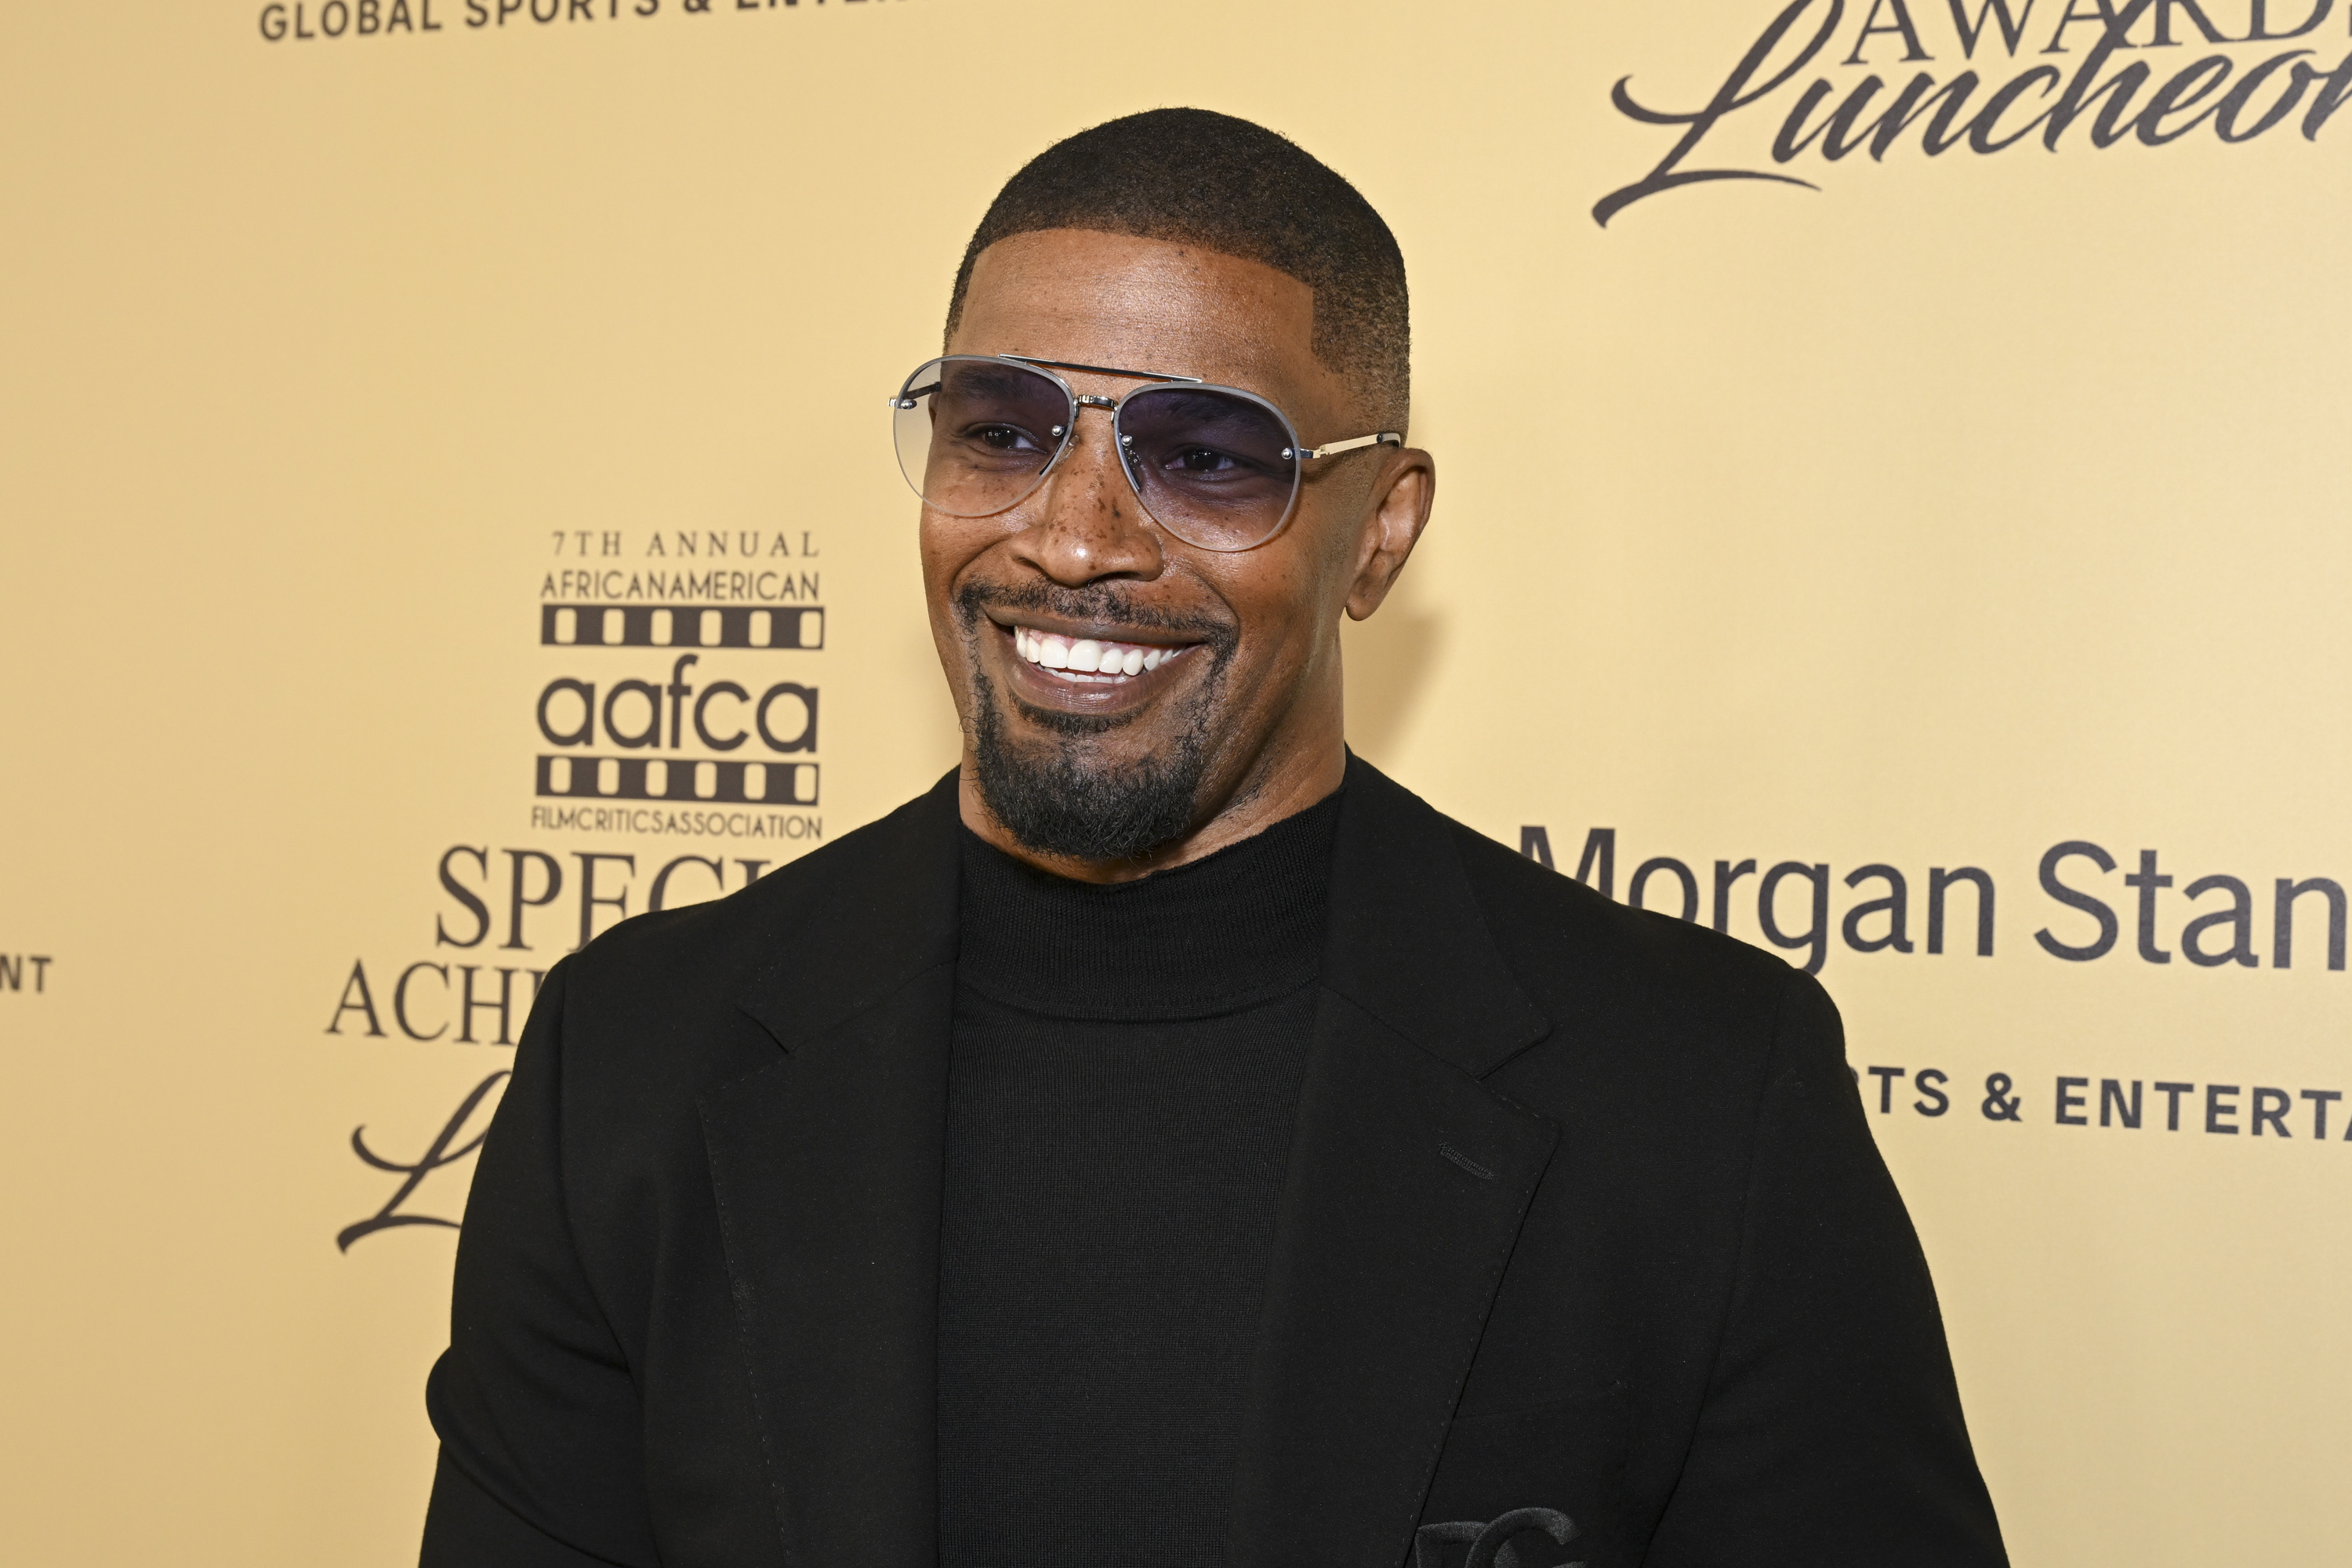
<point>1193,177</point>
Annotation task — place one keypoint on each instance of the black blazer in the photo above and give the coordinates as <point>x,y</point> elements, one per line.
<point>1582,1213</point>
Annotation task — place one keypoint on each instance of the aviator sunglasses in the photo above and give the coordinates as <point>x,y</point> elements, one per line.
<point>1217,467</point>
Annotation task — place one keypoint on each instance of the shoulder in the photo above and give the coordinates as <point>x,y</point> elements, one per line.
<point>631,1030</point>
<point>1668,1041</point>
<point>866,869</point>
<point>837,922</point>
<point>1538,905</point>
<point>1635,982</point>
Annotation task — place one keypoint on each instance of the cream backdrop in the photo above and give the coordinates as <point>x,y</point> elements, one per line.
<point>1963,507</point>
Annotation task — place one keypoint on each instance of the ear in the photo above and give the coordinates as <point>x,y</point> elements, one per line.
<point>1400,502</point>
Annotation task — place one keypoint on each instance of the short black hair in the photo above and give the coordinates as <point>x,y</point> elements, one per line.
<point>1195,177</point>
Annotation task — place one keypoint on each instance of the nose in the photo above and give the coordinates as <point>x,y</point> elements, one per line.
<point>1087,524</point>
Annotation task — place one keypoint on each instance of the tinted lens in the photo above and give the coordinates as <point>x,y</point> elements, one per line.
<point>1215,468</point>
<point>976,436</point>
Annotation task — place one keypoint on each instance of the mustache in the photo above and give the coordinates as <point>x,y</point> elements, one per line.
<point>1106,601</point>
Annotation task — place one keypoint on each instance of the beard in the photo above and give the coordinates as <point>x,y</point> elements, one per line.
<point>1066,795</point>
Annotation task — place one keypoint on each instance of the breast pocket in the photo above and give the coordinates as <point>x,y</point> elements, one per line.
<point>1564,1455</point>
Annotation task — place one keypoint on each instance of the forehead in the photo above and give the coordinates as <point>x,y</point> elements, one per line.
<point>1144,304</point>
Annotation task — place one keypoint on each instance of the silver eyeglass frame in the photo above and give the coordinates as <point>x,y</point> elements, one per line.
<point>1064,436</point>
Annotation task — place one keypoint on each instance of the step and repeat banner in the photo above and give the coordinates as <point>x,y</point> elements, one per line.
<point>1892,512</point>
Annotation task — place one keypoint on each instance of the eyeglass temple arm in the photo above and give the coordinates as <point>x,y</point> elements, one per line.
<point>1333,448</point>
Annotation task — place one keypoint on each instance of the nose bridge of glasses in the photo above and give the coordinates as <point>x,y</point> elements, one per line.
<point>1068,435</point>
<point>1079,403</point>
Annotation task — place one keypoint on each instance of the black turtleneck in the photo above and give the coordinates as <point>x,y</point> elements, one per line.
<point>1127,1062</point>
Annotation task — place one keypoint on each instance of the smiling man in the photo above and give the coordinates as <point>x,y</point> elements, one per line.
<point>1168,1141</point>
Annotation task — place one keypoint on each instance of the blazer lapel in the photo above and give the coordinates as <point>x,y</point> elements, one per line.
<point>827,1168</point>
<point>1407,1183</point>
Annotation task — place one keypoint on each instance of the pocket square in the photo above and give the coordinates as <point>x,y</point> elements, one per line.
<point>1490,1542</point>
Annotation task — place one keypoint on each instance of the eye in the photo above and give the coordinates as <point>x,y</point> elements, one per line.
<point>1203,460</point>
<point>1005,438</point>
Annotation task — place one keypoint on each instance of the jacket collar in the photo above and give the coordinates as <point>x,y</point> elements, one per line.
<point>1409,943</point>
<point>882,912</point>
<point>1405,1189</point>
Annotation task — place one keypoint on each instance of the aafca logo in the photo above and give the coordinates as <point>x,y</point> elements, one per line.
<point>650,720</point>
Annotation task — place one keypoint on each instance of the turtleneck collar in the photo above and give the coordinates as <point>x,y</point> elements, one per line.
<point>1240,927</point>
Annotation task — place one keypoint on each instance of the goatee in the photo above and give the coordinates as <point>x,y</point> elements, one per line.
<point>1062,795</point>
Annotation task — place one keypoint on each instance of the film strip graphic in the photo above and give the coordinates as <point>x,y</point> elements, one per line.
<point>703,783</point>
<point>650,625</point>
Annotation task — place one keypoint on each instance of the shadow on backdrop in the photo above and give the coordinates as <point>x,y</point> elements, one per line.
<point>1389,658</point>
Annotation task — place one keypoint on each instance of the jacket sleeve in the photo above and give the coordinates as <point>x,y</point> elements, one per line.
<point>1831,1431</point>
<point>539,1421</point>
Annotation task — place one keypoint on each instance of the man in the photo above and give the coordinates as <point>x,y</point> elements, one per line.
<point>1168,1141</point>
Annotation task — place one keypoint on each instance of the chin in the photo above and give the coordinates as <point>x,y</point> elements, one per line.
<point>1056,785</point>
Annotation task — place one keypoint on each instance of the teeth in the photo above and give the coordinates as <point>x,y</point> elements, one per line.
<point>1087,656</point>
